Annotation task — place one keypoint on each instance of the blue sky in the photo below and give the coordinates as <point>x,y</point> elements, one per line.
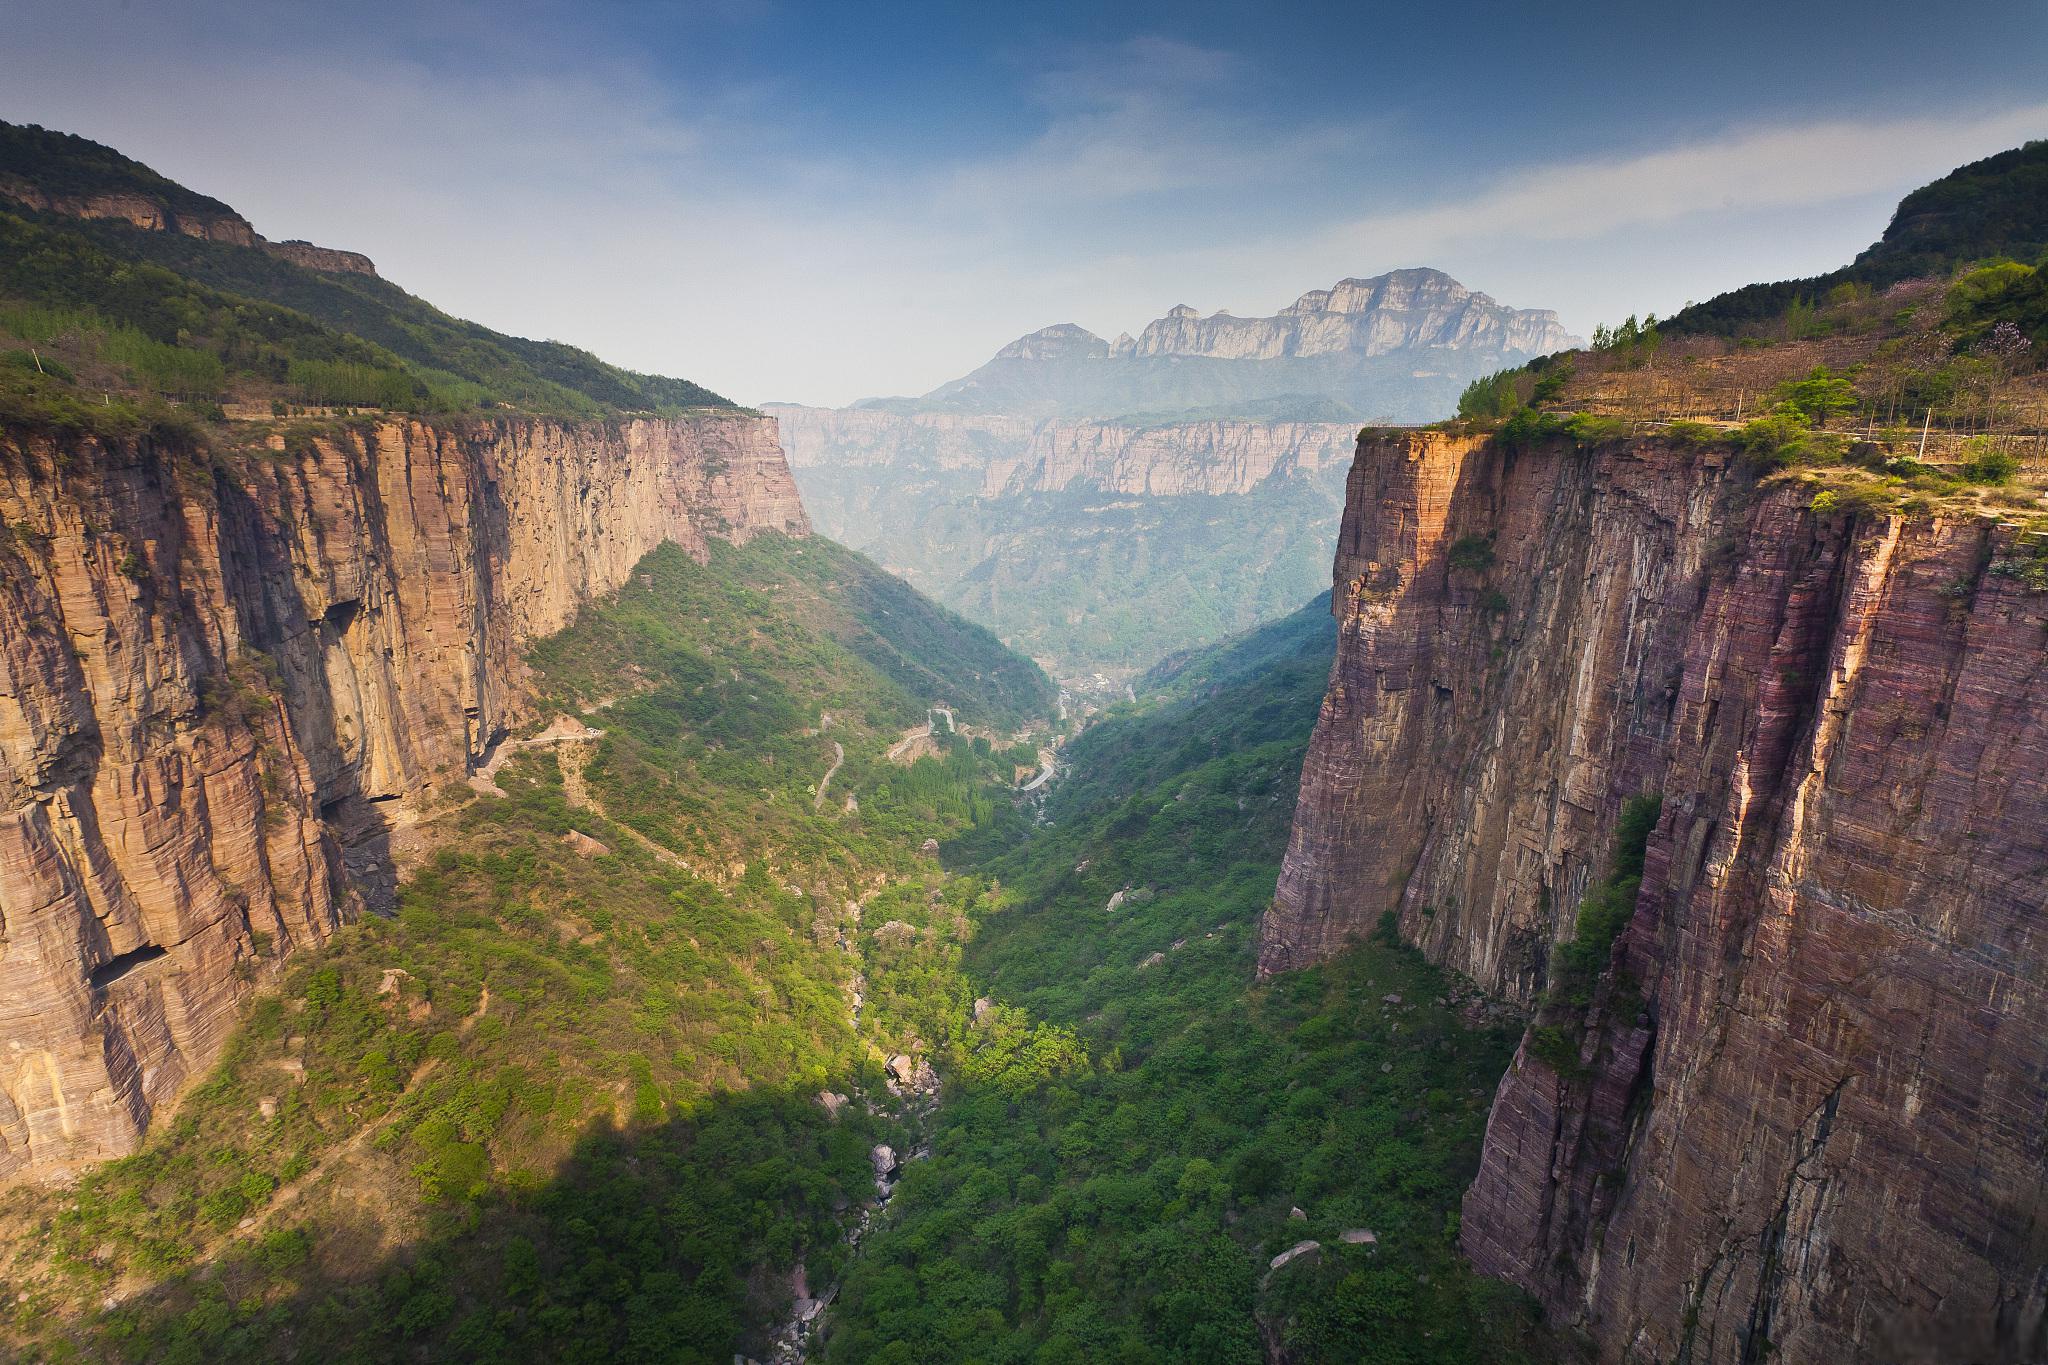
<point>822,202</point>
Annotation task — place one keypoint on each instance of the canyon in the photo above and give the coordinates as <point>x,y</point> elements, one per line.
<point>1798,1113</point>
<point>1628,888</point>
<point>227,681</point>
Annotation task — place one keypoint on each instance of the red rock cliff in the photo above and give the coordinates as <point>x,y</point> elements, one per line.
<point>223,684</point>
<point>1802,1118</point>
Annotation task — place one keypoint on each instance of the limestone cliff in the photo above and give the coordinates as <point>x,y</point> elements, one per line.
<point>186,214</point>
<point>324,258</point>
<point>1001,456</point>
<point>1177,459</point>
<point>1801,1117</point>
<point>226,680</point>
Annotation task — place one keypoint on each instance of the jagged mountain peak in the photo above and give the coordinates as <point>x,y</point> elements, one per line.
<point>1396,346</point>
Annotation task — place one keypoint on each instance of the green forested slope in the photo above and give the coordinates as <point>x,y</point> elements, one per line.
<point>1990,209</point>
<point>1129,1212</point>
<point>162,315</point>
<point>564,1105</point>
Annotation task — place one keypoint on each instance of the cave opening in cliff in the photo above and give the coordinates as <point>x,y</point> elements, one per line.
<point>114,968</point>
<point>340,615</point>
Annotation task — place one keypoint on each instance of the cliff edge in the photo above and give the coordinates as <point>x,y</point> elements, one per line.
<point>227,681</point>
<point>1797,1113</point>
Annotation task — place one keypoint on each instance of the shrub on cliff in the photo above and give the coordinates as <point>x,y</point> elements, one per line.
<point>1528,427</point>
<point>1985,463</point>
<point>1782,439</point>
<point>1472,554</point>
<point>1591,429</point>
<point>1606,910</point>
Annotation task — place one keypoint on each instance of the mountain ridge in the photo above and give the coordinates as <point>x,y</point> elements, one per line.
<point>75,215</point>
<point>1348,343</point>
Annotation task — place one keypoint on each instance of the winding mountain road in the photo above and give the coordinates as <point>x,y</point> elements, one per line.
<point>838,757</point>
<point>1045,771</point>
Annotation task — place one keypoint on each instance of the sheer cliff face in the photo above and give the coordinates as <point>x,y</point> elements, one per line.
<point>224,684</point>
<point>1212,459</point>
<point>1804,1122</point>
<point>1013,456</point>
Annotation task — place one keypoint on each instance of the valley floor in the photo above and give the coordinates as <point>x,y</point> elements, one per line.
<point>685,1046</point>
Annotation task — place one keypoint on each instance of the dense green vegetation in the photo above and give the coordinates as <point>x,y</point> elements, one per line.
<point>564,1105</point>
<point>487,368</point>
<point>1128,1212</point>
<point>1285,656</point>
<point>64,164</point>
<point>1990,209</point>
<point>165,314</point>
<point>159,333</point>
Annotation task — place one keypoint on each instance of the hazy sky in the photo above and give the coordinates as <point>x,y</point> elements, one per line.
<point>820,202</point>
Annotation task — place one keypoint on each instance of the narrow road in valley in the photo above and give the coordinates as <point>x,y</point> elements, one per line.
<point>563,731</point>
<point>838,757</point>
<point>1046,759</point>
<point>910,737</point>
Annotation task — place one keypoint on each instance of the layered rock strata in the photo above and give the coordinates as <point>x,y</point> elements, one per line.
<point>1799,1116</point>
<point>1014,456</point>
<point>152,213</point>
<point>224,680</point>
<point>1211,459</point>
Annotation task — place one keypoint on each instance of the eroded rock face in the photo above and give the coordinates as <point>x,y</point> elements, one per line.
<point>324,258</point>
<point>1806,1110</point>
<point>222,683</point>
<point>990,456</point>
<point>1397,347</point>
<point>144,211</point>
<point>154,214</point>
<point>1212,459</point>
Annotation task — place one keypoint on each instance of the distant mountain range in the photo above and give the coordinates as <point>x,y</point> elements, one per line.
<point>1396,347</point>
<point>1102,503</point>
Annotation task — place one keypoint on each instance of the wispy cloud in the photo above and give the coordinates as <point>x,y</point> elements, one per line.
<point>1139,119</point>
<point>553,184</point>
<point>1750,171</point>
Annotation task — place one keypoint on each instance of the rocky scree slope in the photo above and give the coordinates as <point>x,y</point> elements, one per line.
<point>226,681</point>
<point>1797,1110</point>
